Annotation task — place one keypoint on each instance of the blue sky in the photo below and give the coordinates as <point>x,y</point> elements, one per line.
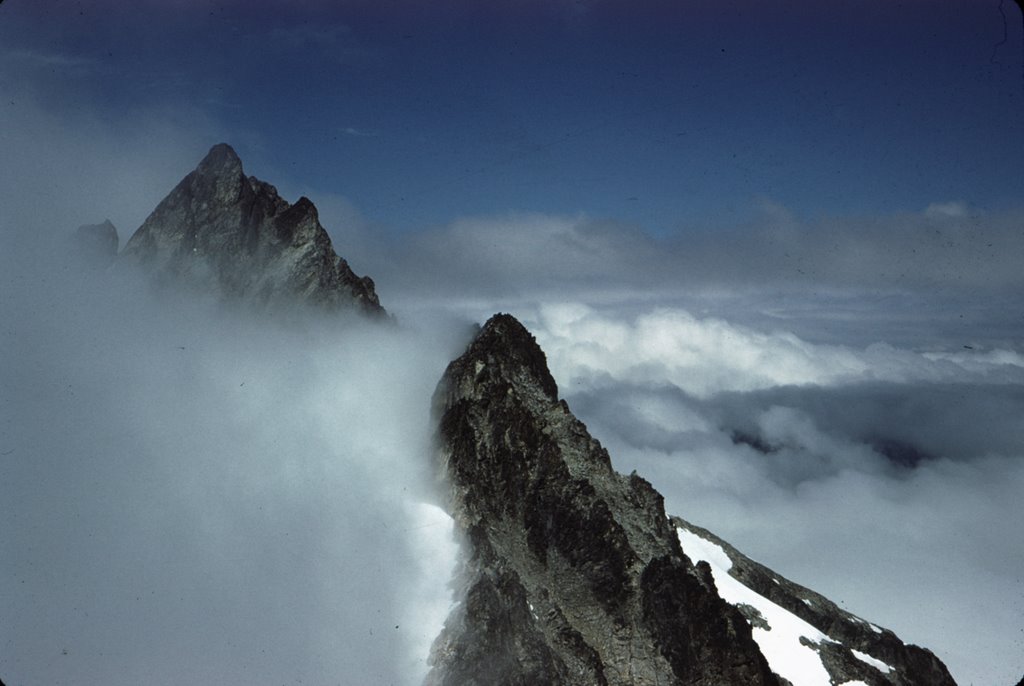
<point>673,116</point>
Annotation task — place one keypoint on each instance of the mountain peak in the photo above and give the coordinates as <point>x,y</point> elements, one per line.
<point>221,158</point>
<point>218,229</point>
<point>504,351</point>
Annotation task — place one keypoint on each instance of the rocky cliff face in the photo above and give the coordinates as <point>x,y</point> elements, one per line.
<point>221,230</point>
<point>573,573</point>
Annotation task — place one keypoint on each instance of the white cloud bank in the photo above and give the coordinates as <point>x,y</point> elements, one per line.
<point>190,495</point>
<point>703,356</point>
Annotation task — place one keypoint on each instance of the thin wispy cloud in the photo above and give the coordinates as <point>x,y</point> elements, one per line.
<point>359,133</point>
<point>62,61</point>
<point>946,209</point>
<point>336,44</point>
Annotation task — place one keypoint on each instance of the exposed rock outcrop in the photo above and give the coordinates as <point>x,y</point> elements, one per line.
<point>221,230</point>
<point>573,573</point>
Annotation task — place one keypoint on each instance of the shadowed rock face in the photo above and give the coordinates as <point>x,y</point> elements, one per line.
<point>573,573</point>
<point>220,229</point>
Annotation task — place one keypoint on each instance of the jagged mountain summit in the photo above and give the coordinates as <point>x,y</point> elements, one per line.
<point>223,231</point>
<point>573,573</point>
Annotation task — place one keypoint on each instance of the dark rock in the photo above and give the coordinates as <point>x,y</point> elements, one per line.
<point>220,229</point>
<point>573,573</point>
<point>96,244</point>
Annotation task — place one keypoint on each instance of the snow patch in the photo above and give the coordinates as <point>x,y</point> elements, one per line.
<point>874,662</point>
<point>696,548</point>
<point>781,646</point>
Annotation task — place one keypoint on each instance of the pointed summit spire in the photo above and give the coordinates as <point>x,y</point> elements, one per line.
<point>221,230</point>
<point>221,160</point>
<point>505,344</point>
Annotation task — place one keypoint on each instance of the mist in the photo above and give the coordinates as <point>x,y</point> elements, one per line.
<point>194,493</point>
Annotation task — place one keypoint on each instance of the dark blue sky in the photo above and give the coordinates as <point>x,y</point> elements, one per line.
<point>668,115</point>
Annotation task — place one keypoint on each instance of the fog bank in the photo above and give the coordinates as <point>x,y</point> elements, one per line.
<point>197,494</point>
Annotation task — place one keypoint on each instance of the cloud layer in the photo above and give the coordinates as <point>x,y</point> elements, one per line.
<point>968,248</point>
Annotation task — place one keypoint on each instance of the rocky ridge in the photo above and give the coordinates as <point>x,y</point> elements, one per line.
<point>220,230</point>
<point>573,573</point>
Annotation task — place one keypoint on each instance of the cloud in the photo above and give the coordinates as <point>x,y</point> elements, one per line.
<point>359,133</point>
<point>51,60</point>
<point>946,209</point>
<point>64,168</point>
<point>179,480</point>
<point>907,280</point>
<point>895,253</point>
<point>703,356</point>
